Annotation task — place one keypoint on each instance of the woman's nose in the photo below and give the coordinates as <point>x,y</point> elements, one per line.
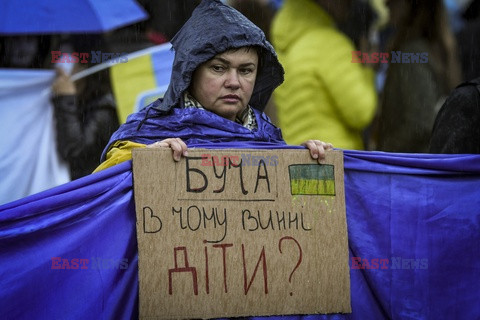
<point>232,81</point>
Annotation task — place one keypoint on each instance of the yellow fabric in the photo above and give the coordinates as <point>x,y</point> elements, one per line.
<point>381,10</point>
<point>325,96</point>
<point>129,80</point>
<point>119,152</point>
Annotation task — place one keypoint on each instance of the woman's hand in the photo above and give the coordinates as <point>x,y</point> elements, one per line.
<point>177,145</point>
<point>62,85</point>
<point>317,148</point>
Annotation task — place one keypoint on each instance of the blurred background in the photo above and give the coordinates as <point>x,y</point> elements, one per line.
<point>58,111</point>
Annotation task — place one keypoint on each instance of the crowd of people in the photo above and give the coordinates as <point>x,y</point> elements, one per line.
<point>324,93</point>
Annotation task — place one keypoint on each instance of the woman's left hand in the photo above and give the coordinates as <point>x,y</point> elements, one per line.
<point>317,148</point>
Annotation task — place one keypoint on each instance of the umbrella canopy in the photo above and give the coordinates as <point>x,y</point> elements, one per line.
<point>52,16</point>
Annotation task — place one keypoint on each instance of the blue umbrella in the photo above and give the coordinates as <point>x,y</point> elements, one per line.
<point>72,16</point>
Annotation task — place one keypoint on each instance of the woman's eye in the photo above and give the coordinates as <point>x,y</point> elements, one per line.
<point>246,71</point>
<point>218,68</point>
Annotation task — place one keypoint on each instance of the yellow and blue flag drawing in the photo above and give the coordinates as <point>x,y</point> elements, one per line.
<point>312,179</point>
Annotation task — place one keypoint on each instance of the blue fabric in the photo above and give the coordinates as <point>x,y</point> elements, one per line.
<point>48,16</point>
<point>398,205</point>
<point>84,219</point>
<point>196,127</point>
<point>162,60</point>
<point>27,132</point>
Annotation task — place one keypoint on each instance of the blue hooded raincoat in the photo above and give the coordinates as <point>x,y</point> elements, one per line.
<point>212,29</point>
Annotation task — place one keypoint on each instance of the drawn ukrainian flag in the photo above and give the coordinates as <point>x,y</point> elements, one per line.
<point>312,179</point>
<point>142,79</point>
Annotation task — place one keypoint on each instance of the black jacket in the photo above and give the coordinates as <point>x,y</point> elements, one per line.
<point>457,126</point>
<point>83,130</point>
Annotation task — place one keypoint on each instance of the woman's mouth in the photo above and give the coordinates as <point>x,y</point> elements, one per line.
<point>230,98</point>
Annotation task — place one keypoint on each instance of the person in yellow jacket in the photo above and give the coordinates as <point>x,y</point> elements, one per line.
<point>324,94</point>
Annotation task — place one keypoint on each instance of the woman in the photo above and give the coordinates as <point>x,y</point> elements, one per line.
<point>324,94</point>
<point>223,74</point>
<point>85,112</point>
<point>414,92</point>
<point>26,51</point>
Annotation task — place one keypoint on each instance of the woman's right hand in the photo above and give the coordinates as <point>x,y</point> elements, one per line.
<point>177,145</point>
<point>63,85</point>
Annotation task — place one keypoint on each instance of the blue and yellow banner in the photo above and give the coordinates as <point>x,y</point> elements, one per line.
<point>142,79</point>
<point>413,230</point>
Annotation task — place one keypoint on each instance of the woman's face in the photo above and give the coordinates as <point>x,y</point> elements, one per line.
<point>224,84</point>
<point>20,51</point>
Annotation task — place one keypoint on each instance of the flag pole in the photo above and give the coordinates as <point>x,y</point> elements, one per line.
<point>111,63</point>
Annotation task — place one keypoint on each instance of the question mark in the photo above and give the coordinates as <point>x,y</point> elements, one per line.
<point>299,256</point>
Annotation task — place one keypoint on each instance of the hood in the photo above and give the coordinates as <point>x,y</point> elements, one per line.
<point>212,29</point>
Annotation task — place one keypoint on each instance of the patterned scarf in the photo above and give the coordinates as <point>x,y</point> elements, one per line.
<point>246,118</point>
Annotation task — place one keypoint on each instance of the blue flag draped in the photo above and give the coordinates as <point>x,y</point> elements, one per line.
<point>419,213</point>
<point>28,155</point>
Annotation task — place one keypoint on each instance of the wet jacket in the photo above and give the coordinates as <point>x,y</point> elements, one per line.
<point>212,29</point>
<point>325,96</point>
<point>412,95</point>
<point>83,129</point>
<point>457,126</point>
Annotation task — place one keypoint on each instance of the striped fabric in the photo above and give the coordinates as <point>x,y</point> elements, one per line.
<point>142,79</point>
<point>312,179</point>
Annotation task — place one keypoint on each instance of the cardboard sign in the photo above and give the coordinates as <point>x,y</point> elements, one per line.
<point>235,232</point>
